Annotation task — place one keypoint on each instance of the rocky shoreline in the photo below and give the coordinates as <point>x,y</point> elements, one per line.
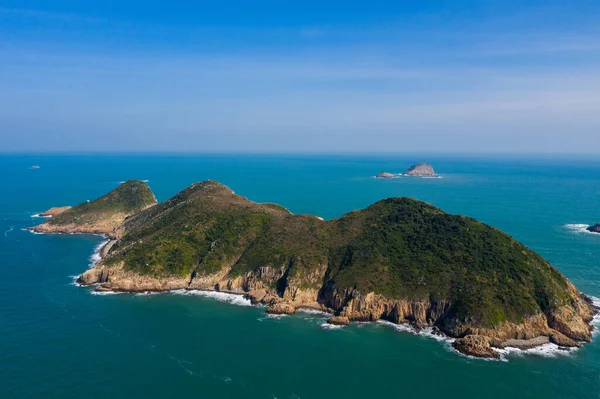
<point>207,238</point>
<point>346,307</point>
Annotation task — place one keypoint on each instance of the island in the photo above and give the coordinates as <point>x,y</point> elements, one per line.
<point>594,229</point>
<point>385,175</point>
<point>420,169</point>
<point>101,216</point>
<point>399,260</point>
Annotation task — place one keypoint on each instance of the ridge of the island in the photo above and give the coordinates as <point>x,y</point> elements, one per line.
<point>400,260</point>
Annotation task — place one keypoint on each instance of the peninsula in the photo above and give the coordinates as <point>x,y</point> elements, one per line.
<point>400,260</point>
<point>101,216</point>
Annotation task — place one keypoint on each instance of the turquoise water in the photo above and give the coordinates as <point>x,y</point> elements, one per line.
<point>61,341</point>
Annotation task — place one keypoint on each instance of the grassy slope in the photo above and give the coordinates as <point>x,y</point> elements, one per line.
<point>129,197</point>
<point>399,247</point>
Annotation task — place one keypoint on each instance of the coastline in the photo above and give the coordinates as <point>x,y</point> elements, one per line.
<point>539,345</point>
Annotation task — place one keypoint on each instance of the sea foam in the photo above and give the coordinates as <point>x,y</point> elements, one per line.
<point>234,299</point>
<point>580,228</point>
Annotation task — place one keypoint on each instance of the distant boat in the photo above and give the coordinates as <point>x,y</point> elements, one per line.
<point>35,167</point>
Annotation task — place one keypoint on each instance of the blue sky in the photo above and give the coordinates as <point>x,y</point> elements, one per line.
<point>269,76</point>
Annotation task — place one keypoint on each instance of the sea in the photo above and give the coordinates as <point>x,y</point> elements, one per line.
<point>59,340</point>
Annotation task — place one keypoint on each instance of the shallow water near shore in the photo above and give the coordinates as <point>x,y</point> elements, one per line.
<point>61,340</point>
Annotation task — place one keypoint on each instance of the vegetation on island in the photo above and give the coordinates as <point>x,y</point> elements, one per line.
<point>129,197</point>
<point>398,247</point>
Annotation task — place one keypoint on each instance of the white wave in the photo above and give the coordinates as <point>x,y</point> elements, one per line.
<point>147,293</point>
<point>427,332</point>
<point>74,281</point>
<point>95,257</point>
<point>234,299</point>
<point>146,181</point>
<point>315,312</point>
<point>37,215</point>
<point>94,292</point>
<point>579,228</point>
<point>8,231</point>
<point>546,350</point>
<point>31,231</point>
<point>327,326</point>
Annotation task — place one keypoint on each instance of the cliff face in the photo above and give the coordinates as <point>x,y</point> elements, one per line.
<point>399,260</point>
<point>101,216</point>
<point>420,169</point>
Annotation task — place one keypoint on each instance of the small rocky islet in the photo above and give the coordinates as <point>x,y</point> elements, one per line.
<point>399,260</point>
<point>594,229</point>
<point>420,169</point>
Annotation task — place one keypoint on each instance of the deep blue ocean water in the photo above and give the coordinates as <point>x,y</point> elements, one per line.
<point>58,340</point>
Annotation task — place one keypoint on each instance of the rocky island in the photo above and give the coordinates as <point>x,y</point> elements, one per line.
<point>594,229</point>
<point>385,175</point>
<point>420,169</point>
<point>399,260</point>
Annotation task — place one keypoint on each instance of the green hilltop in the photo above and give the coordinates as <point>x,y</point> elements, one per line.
<point>129,197</point>
<point>398,247</point>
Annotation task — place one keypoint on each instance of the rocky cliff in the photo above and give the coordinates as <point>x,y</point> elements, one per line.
<point>399,260</point>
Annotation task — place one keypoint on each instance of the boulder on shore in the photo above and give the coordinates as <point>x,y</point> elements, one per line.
<point>476,346</point>
<point>281,308</point>
<point>339,320</point>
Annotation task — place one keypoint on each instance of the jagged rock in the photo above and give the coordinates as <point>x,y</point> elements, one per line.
<point>339,320</point>
<point>256,296</point>
<point>385,175</point>
<point>475,345</point>
<point>562,340</point>
<point>281,308</point>
<point>420,169</point>
<point>595,228</point>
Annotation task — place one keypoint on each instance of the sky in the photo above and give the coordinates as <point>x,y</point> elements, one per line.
<point>459,76</point>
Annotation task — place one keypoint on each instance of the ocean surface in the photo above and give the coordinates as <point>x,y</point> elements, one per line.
<point>58,340</point>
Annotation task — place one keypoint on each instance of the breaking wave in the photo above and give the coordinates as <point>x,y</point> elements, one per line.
<point>95,257</point>
<point>234,299</point>
<point>579,228</point>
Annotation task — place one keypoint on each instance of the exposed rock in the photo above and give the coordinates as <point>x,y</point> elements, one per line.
<point>595,228</point>
<point>281,308</point>
<point>385,175</point>
<point>475,345</point>
<point>420,169</point>
<point>520,343</point>
<point>55,211</point>
<point>562,340</point>
<point>339,320</point>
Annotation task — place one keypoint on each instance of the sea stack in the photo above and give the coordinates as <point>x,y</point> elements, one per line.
<point>420,169</point>
<point>595,228</point>
<point>385,175</point>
